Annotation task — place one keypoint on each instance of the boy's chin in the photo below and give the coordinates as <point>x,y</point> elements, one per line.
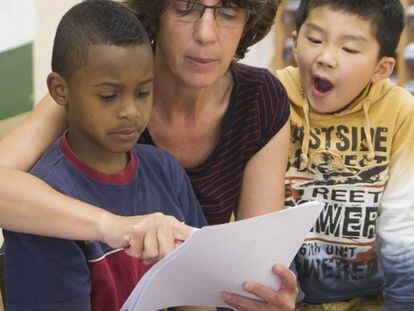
<point>124,149</point>
<point>120,148</point>
<point>326,109</point>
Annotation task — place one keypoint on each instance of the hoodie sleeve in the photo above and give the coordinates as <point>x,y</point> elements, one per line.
<point>396,221</point>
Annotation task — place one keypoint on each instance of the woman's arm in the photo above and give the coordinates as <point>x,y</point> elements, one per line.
<point>29,205</point>
<point>263,191</point>
<point>263,186</point>
<point>23,146</point>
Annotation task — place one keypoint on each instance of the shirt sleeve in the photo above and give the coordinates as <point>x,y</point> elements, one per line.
<point>45,274</point>
<point>274,107</point>
<point>396,220</point>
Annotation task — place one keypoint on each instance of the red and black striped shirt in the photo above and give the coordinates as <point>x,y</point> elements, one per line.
<point>258,109</point>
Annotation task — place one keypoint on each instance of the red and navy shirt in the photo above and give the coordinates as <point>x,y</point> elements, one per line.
<point>48,274</point>
<point>258,109</point>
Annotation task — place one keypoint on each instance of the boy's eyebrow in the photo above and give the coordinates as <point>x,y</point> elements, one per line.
<point>346,37</point>
<point>107,83</point>
<point>114,84</point>
<point>150,80</point>
<point>355,38</point>
<point>314,26</point>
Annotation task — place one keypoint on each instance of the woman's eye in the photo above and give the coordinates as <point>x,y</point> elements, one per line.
<point>314,40</point>
<point>228,13</point>
<point>181,11</point>
<point>107,97</point>
<point>142,94</point>
<point>183,8</point>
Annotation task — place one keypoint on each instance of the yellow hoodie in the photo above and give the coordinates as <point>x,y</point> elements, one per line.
<point>360,162</point>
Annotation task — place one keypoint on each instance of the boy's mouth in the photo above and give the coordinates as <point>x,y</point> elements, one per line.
<point>322,86</point>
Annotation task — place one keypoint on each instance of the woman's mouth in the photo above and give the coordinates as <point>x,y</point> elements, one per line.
<point>202,62</point>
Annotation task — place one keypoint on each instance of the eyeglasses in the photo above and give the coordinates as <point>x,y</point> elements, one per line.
<point>190,11</point>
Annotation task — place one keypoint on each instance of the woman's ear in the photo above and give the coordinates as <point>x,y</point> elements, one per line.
<point>384,69</point>
<point>295,45</point>
<point>58,88</point>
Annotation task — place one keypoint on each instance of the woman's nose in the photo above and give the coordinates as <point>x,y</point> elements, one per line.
<point>206,28</point>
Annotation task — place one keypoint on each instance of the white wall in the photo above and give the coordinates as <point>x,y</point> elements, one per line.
<point>21,18</point>
<point>48,14</point>
<point>261,54</point>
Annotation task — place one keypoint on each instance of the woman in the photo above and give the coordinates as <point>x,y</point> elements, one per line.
<point>226,123</point>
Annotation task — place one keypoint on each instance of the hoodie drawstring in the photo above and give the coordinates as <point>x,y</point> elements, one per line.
<point>367,130</point>
<point>304,157</point>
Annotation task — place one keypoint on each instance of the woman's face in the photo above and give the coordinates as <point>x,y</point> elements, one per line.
<point>195,53</point>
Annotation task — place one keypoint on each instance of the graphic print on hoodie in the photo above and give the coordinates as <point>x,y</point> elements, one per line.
<point>360,163</point>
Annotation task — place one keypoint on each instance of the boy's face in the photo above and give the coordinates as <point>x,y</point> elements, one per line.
<point>337,55</point>
<point>109,99</point>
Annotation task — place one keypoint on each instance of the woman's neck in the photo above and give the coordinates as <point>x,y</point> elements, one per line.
<point>185,120</point>
<point>173,97</point>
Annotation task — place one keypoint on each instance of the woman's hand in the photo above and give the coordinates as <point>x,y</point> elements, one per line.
<point>283,299</point>
<point>148,237</point>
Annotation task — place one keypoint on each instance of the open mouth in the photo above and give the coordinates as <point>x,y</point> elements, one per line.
<point>322,86</point>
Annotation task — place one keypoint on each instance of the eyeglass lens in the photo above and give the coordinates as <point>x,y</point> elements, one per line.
<point>190,11</point>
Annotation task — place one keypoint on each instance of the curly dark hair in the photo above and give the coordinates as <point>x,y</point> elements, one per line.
<point>262,15</point>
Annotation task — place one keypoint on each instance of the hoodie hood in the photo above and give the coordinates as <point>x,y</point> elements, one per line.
<point>372,94</point>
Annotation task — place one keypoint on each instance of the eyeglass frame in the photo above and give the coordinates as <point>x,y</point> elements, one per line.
<point>214,8</point>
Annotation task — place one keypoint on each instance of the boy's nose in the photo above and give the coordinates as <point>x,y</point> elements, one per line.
<point>206,28</point>
<point>327,58</point>
<point>129,110</point>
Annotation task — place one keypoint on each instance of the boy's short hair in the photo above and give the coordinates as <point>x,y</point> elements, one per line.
<point>386,18</point>
<point>93,22</point>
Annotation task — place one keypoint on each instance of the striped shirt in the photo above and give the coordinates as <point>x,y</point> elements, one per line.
<point>258,109</point>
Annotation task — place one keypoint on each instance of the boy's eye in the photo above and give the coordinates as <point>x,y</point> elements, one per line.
<point>314,40</point>
<point>142,94</point>
<point>350,51</point>
<point>107,97</point>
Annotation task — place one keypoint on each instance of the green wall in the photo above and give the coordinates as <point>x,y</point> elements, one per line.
<point>16,81</point>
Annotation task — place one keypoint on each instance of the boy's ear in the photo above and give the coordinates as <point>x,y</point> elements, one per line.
<point>58,88</point>
<point>294,36</point>
<point>384,69</point>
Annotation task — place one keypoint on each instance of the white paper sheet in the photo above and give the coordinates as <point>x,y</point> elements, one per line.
<point>220,258</point>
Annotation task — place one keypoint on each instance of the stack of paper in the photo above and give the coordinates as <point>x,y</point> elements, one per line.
<point>222,257</point>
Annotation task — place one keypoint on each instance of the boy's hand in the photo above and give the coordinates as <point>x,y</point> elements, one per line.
<point>148,237</point>
<point>283,299</point>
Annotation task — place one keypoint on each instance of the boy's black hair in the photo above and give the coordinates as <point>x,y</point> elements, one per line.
<point>386,18</point>
<point>93,22</point>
